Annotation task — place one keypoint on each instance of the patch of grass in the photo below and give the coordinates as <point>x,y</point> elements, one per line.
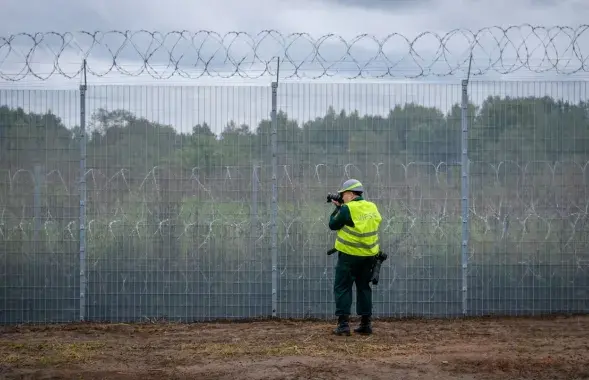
<point>10,359</point>
<point>356,348</point>
<point>48,353</point>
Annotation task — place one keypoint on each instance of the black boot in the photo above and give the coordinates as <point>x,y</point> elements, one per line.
<point>343,326</point>
<point>365,326</point>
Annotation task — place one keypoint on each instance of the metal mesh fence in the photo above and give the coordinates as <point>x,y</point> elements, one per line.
<point>173,209</point>
<point>379,134</point>
<point>39,206</point>
<point>183,223</point>
<point>528,146</point>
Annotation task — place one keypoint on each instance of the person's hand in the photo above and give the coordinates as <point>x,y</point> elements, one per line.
<point>336,203</point>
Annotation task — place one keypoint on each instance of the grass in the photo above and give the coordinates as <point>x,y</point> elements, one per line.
<point>49,353</point>
<point>484,346</point>
<point>356,348</point>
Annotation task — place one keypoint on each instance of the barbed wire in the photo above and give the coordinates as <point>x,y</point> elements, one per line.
<point>215,223</point>
<point>133,203</point>
<point>562,50</point>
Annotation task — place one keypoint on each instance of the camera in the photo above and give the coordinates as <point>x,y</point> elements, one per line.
<point>334,197</point>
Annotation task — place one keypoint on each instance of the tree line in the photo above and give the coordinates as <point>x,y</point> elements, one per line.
<point>501,128</point>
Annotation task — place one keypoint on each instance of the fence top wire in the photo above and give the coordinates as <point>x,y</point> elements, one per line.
<point>562,50</point>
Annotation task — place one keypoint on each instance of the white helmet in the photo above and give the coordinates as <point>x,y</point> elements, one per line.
<point>352,185</point>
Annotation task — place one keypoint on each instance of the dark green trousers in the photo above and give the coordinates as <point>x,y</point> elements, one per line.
<point>349,270</point>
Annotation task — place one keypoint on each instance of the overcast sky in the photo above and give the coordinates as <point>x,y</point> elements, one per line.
<point>347,19</point>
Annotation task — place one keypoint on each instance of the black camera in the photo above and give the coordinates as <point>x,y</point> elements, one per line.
<point>334,197</point>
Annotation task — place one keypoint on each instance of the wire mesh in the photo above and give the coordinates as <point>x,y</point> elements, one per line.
<point>179,199</point>
<point>175,212</point>
<point>39,205</point>
<point>529,152</point>
<point>397,141</point>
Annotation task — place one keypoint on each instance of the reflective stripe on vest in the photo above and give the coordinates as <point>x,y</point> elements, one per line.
<point>362,239</point>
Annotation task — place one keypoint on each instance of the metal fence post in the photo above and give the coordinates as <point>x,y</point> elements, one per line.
<point>83,88</point>
<point>40,133</point>
<point>274,207</point>
<point>465,196</point>
<point>37,203</point>
<point>254,207</point>
<point>254,220</point>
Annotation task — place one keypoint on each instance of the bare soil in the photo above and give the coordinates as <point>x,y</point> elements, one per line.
<point>506,348</point>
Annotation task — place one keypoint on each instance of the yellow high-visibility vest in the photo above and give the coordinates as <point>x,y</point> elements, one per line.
<point>362,239</point>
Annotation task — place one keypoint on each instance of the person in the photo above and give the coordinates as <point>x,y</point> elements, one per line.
<point>356,221</point>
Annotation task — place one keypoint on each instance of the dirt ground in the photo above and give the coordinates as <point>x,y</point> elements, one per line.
<point>542,348</point>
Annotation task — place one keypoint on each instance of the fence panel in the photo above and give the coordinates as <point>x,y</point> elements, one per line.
<point>529,152</point>
<point>177,215</point>
<point>39,206</point>
<point>401,143</point>
<point>179,199</point>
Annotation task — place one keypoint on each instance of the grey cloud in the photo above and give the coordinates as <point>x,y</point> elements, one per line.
<point>318,18</point>
<point>383,4</point>
<point>55,15</point>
